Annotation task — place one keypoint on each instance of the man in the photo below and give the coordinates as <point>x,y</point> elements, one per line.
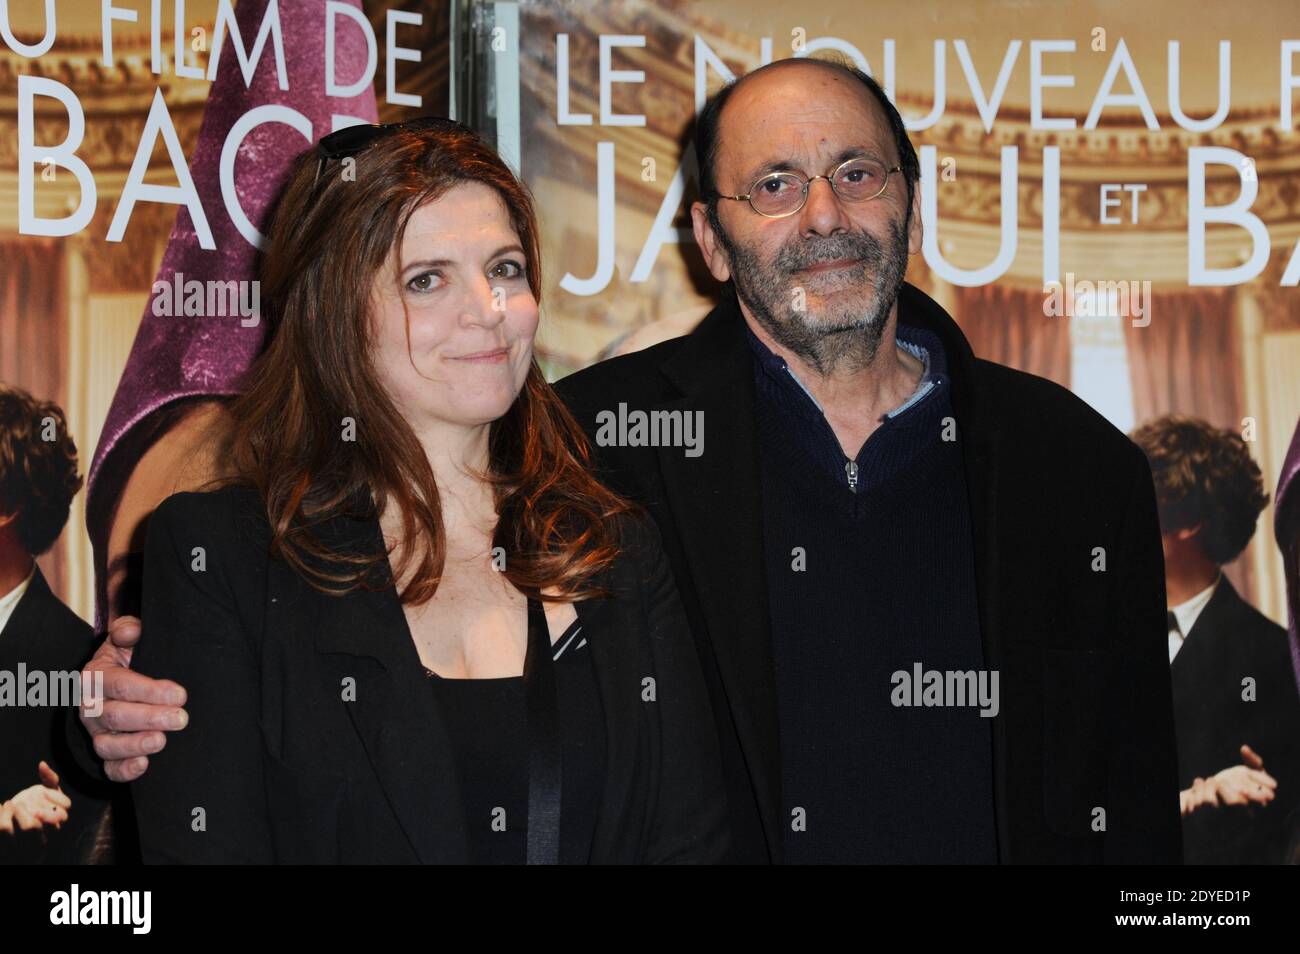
<point>48,810</point>
<point>1236,709</point>
<point>872,507</point>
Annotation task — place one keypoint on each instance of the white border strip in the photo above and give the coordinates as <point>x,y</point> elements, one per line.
<point>506,72</point>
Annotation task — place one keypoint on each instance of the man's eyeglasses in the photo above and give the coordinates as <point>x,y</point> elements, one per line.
<point>350,140</point>
<point>779,194</point>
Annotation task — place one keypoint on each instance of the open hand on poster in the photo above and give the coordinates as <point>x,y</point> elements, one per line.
<point>36,807</point>
<point>1243,784</point>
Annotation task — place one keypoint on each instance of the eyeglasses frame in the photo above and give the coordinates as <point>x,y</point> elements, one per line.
<point>807,186</point>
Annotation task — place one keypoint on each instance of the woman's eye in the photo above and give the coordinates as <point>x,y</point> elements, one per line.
<point>423,282</point>
<point>509,270</point>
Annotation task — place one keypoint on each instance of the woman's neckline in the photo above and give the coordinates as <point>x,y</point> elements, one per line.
<point>496,680</point>
<point>430,674</point>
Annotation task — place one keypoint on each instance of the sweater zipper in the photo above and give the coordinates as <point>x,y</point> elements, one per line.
<point>851,471</point>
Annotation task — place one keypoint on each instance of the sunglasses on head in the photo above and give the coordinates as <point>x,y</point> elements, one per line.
<point>350,140</point>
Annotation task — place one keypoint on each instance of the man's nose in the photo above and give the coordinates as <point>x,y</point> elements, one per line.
<point>822,213</point>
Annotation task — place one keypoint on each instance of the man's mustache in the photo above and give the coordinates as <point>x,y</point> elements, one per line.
<point>860,248</point>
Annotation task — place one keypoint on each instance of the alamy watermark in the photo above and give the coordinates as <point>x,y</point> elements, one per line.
<point>77,907</point>
<point>1087,299</point>
<point>624,428</point>
<point>208,299</point>
<point>946,687</point>
<point>58,689</point>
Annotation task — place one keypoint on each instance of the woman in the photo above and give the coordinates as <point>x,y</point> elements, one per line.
<point>415,628</point>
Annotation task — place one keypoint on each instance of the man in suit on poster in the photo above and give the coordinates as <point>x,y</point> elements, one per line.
<point>926,589</point>
<point>1236,709</point>
<point>49,809</point>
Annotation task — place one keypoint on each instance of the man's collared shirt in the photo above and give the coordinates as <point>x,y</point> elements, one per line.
<point>1185,614</point>
<point>10,600</point>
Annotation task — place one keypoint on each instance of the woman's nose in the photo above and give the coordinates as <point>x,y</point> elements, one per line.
<point>486,306</point>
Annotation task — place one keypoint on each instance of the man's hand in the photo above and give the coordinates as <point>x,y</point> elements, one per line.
<point>1250,759</point>
<point>137,711</point>
<point>37,806</point>
<point>1200,792</point>
<point>1242,785</point>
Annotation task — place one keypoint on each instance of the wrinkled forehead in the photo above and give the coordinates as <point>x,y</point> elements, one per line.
<point>798,115</point>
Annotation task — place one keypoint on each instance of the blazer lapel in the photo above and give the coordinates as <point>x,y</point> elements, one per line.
<point>25,637</point>
<point>1202,657</point>
<point>980,438</point>
<point>619,680</point>
<point>394,712</point>
<point>716,506</point>
<point>979,452</point>
<point>1222,605</point>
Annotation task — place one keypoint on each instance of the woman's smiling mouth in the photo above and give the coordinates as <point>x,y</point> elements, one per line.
<point>485,357</point>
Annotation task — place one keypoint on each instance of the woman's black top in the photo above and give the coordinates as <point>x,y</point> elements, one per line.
<point>316,738</point>
<point>486,721</point>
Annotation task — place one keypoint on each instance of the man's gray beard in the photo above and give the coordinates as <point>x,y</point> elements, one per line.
<point>842,339</point>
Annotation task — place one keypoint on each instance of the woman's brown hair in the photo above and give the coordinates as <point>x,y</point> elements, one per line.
<point>329,238</point>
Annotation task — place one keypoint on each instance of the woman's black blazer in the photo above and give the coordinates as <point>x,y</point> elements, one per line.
<point>314,738</point>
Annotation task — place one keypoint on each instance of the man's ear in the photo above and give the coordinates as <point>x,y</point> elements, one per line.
<point>7,518</point>
<point>715,256</point>
<point>915,233</point>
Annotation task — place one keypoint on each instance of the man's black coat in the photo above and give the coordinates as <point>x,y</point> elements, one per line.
<point>1230,642</point>
<point>46,637</point>
<point>1069,572</point>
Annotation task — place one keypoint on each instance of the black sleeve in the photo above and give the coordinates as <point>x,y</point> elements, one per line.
<point>202,799</point>
<point>1143,825</point>
<point>80,746</point>
<point>688,823</point>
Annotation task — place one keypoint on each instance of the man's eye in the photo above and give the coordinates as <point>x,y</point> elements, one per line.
<point>424,282</point>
